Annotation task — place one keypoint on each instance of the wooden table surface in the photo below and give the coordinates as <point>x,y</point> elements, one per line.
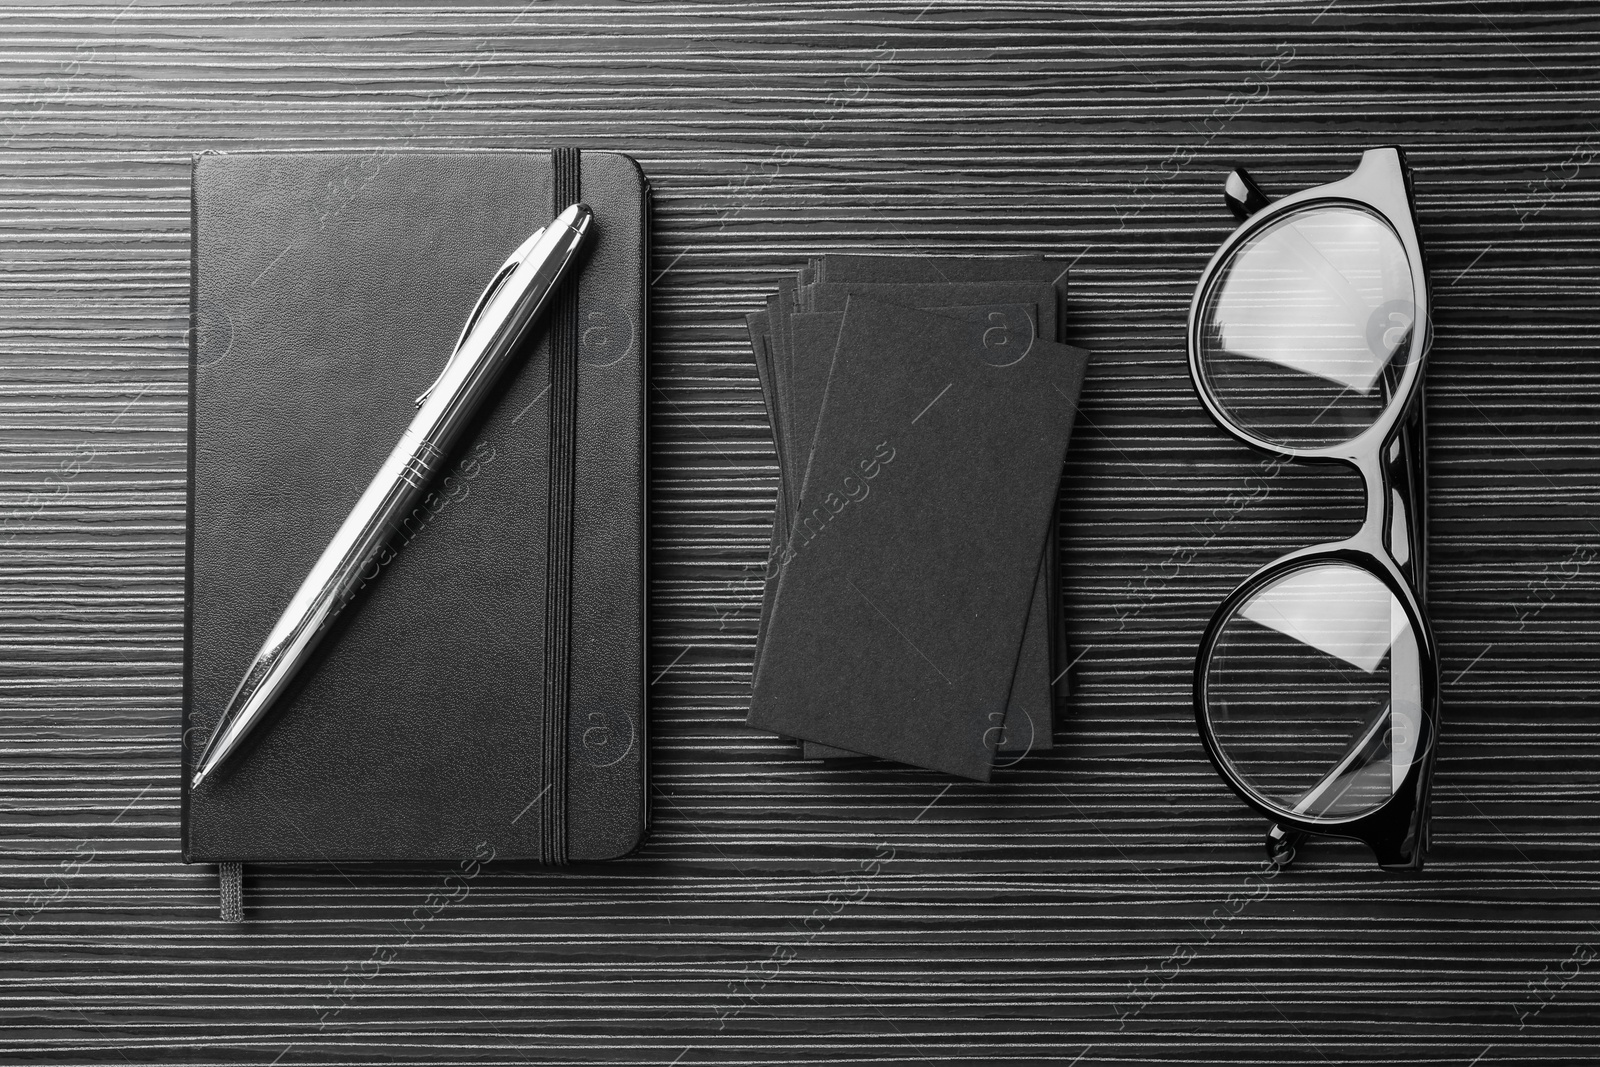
<point>1101,903</point>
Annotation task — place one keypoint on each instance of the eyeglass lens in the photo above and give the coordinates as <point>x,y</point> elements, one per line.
<point>1314,691</point>
<point>1306,331</point>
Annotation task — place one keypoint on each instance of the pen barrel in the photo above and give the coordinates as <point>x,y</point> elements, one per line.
<point>365,541</point>
<point>419,467</point>
<point>355,554</point>
<point>353,557</point>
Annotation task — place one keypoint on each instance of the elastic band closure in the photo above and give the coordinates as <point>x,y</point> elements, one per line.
<point>558,575</point>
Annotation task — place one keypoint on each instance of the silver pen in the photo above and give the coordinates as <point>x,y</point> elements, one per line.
<point>510,304</point>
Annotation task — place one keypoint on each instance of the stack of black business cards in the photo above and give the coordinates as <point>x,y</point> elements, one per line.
<point>921,409</point>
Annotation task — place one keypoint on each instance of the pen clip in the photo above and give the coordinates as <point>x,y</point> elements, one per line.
<point>487,295</point>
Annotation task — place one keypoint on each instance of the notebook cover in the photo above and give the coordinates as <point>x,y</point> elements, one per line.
<point>485,689</point>
<point>868,613</point>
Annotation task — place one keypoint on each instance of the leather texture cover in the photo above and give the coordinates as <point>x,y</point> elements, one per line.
<point>485,690</point>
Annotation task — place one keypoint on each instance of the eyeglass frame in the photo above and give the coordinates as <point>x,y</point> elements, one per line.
<point>1390,458</point>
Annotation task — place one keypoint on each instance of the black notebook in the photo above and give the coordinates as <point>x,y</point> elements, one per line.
<point>485,690</point>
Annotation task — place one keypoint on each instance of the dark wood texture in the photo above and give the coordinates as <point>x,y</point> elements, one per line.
<point>1100,903</point>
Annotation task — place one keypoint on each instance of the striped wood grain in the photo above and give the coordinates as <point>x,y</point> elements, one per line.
<point>1098,904</point>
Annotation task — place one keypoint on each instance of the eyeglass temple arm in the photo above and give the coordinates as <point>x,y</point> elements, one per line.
<point>1282,841</point>
<point>1365,743</point>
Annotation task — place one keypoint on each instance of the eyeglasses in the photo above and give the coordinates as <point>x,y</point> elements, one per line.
<point>1316,687</point>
